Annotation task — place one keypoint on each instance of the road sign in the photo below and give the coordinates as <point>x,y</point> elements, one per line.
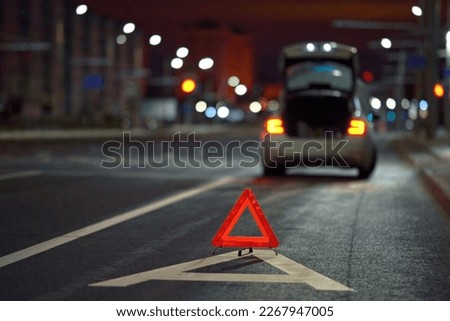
<point>94,82</point>
<point>417,62</point>
<point>223,237</point>
<point>294,273</point>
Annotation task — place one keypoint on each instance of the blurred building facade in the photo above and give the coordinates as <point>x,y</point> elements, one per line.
<point>232,52</point>
<point>57,64</point>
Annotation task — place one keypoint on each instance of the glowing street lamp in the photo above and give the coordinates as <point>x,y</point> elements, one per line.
<point>176,63</point>
<point>155,40</point>
<point>81,9</point>
<point>416,10</point>
<point>182,52</point>
<point>206,63</point>
<point>386,43</point>
<point>129,28</point>
<point>240,90</point>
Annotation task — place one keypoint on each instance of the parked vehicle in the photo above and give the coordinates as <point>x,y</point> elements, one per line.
<point>321,119</point>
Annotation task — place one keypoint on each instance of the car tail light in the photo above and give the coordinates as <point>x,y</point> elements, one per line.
<point>275,126</point>
<point>357,127</point>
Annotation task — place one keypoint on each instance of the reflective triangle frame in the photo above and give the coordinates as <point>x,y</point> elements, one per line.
<point>223,237</point>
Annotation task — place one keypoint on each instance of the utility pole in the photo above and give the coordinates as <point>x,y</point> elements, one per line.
<point>447,73</point>
<point>433,30</point>
<point>400,85</point>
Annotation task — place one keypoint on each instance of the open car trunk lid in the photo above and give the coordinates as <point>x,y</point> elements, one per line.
<point>312,116</point>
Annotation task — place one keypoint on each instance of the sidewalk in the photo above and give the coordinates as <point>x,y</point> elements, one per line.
<point>115,133</point>
<point>433,160</point>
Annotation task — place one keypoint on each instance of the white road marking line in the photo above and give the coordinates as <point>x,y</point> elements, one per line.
<point>146,209</point>
<point>19,175</point>
<point>296,273</point>
<point>117,174</point>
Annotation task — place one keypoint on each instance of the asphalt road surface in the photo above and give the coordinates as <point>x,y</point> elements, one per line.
<point>72,230</point>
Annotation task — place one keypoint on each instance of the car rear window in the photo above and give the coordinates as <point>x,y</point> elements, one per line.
<point>324,74</point>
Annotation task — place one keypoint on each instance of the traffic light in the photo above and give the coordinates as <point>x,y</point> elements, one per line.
<point>367,76</point>
<point>188,85</point>
<point>438,90</point>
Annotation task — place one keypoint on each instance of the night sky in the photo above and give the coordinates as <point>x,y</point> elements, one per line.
<point>271,24</point>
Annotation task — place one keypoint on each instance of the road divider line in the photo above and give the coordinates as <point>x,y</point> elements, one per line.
<point>120,218</point>
<point>19,175</point>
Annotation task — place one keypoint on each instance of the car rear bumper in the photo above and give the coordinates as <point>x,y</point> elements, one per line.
<point>345,152</point>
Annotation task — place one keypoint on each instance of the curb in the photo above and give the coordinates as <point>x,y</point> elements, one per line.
<point>116,133</point>
<point>438,188</point>
<point>431,173</point>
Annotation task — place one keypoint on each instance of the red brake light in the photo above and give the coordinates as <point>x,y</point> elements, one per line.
<point>357,127</point>
<point>275,126</point>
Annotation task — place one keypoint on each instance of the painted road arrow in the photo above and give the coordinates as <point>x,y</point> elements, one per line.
<point>295,273</point>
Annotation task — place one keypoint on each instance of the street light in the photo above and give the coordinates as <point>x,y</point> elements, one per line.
<point>182,52</point>
<point>176,63</point>
<point>386,43</point>
<point>240,90</point>
<point>129,27</point>
<point>81,9</point>
<point>255,107</point>
<point>223,112</point>
<point>375,103</point>
<point>201,106</point>
<point>205,63</point>
<point>310,47</point>
<point>416,10</point>
<point>391,104</point>
<point>327,47</point>
<point>155,40</point>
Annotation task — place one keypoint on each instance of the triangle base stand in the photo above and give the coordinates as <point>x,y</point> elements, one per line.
<point>241,251</point>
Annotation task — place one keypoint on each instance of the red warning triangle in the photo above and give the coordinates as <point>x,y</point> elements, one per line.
<point>223,237</point>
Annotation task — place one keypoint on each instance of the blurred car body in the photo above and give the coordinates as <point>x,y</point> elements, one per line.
<point>321,121</point>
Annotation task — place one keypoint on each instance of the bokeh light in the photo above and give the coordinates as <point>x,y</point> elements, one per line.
<point>390,103</point>
<point>129,27</point>
<point>273,105</point>
<point>423,105</point>
<point>375,103</point>
<point>391,116</point>
<point>386,43</point>
<point>121,39</point>
<point>182,52</point>
<point>155,40</point>
<point>206,63</point>
<point>176,63</point>
<point>210,112</point>
<point>81,9</point>
<point>223,112</point>
<point>200,106</point>
<point>233,81</point>
<point>240,90</point>
<point>255,107</point>
<point>310,47</point>
<point>417,11</point>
